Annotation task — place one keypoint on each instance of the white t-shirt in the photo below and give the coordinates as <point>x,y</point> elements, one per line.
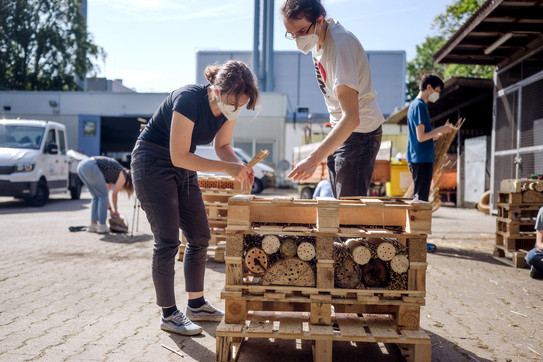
<point>342,60</point>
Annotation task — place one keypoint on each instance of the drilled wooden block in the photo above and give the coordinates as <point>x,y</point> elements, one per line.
<point>409,317</point>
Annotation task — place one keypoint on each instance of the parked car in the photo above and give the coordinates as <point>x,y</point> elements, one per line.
<point>264,175</point>
<point>35,161</point>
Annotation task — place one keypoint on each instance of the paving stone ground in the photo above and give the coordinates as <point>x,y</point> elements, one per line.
<point>77,296</point>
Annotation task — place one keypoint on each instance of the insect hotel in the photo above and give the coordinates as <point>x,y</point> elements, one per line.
<point>325,270</point>
<point>518,203</point>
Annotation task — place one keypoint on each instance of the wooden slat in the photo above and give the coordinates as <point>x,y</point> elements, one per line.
<point>261,323</point>
<point>350,325</point>
<point>321,330</point>
<point>413,335</point>
<point>290,325</point>
<point>381,327</point>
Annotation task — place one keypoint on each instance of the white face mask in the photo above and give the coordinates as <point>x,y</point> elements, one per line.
<point>229,111</point>
<point>307,42</point>
<point>433,97</point>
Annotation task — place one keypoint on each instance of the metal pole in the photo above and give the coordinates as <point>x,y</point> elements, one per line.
<point>269,45</point>
<point>263,64</point>
<point>256,40</point>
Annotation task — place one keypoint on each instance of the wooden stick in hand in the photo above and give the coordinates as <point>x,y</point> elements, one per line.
<point>259,157</point>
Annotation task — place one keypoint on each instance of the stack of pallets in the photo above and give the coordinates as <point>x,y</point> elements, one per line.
<point>216,190</point>
<point>518,203</point>
<point>275,290</point>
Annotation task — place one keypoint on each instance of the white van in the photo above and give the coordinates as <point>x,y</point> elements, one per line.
<point>264,175</point>
<point>35,161</point>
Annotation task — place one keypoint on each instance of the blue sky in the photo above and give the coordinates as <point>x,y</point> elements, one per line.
<point>151,44</point>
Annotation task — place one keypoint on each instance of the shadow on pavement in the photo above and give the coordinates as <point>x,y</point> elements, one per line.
<point>191,347</point>
<point>466,254</point>
<point>444,350</point>
<point>125,238</point>
<point>19,206</point>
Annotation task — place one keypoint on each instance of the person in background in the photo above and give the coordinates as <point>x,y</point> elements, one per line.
<point>164,171</point>
<point>420,141</point>
<point>344,77</point>
<point>323,189</point>
<point>534,258</point>
<point>101,175</point>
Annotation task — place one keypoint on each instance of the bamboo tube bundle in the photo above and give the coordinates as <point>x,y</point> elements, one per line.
<point>442,144</point>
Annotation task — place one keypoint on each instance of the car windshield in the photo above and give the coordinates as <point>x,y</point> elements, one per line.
<point>21,136</point>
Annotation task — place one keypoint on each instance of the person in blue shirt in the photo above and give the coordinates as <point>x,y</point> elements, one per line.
<point>534,258</point>
<point>420,141</point>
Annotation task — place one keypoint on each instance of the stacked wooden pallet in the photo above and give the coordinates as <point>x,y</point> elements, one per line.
<point>216,190</point>
<point>291,275</point>
<point>518,204</point>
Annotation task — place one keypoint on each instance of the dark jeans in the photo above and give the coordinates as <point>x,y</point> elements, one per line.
<point>535,258</point>
<point>351,166</point>
<point>422,179</point>
<point>171,199</point>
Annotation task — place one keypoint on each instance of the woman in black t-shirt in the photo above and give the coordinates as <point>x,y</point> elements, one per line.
<point>164,172</point>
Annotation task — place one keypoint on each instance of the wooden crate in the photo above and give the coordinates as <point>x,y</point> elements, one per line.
<point>414,344</point>
<point>216,190</point>
<point>324,220</point>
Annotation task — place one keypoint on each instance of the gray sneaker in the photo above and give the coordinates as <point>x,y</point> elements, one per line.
<point>178,323</point>
<point>207,312</point>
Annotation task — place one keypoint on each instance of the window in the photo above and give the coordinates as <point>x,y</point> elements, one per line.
<point>62,142</point>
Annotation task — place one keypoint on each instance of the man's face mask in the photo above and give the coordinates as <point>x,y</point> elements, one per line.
<point>306,42</point>
<point>433,97</point>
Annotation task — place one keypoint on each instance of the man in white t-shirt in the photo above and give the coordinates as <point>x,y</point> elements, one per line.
<point>344,77</point>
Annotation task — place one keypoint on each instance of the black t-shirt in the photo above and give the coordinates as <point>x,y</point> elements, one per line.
<point>110,167</point>
<point>191,101</point>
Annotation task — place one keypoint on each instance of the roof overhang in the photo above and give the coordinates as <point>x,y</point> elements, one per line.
<point>499,32</point>
<point>458,92</point>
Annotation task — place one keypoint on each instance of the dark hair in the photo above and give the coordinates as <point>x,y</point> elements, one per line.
<point>128,186</point>
<point>299,9</point>
<point>431,79</point>
<point>234,77</point>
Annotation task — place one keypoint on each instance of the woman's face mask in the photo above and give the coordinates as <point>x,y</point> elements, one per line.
<point>228,110</point>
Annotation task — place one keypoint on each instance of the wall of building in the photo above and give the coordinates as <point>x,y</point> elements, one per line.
<point>66,107</point>
<point>295,76</point>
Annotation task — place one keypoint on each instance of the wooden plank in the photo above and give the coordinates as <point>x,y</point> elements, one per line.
<point>415,335</point>
<point>289,325</point>
<point>381,327</point>
<point>261,323</point>
<point>350,325</point>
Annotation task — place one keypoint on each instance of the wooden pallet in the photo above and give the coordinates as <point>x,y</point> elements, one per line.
<point>523,212</point>
<point>415,343</point>
<point>524,241</point>
<point>216,190</point>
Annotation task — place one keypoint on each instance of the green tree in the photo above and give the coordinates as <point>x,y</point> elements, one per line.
<point>44,45</point>
<point>446,24</point>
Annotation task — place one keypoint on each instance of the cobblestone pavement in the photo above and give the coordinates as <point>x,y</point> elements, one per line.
<point>77,296</point>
